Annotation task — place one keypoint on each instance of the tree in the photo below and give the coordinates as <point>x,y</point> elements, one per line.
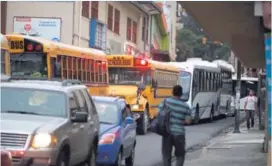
<point>189,43</point>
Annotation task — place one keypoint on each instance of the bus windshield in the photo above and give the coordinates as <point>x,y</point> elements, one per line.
<point>185,82</point>
<point>28,64</point>
<point>129,76</point>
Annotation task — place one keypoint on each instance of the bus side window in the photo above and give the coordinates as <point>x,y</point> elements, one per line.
<point>56,67</point>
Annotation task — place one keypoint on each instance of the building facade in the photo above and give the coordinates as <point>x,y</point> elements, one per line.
<point>114,27</point>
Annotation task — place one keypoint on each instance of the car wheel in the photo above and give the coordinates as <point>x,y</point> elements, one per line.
<point>144,123</point>
<point>63,159</point>
<point>118,160</point>
<point>130,160</point>
<point>91,161</point>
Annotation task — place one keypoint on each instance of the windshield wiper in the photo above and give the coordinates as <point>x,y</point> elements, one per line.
<point>15,60</point>
<point>105,122</point>
<point>20,112</point>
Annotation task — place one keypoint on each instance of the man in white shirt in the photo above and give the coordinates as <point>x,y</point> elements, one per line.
<point>250,107</point>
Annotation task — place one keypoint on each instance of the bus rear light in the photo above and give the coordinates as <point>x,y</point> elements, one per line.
<point>143,62</point>
<point>29,47</point>
<point>140,62</point>
<point>38,47</point>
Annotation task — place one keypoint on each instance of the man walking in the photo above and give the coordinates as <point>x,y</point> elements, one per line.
<point>179,116</point>
<point>250,107</point>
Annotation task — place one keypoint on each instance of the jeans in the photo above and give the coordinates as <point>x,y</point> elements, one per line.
<point>250,117</point>
<point>178,142</point>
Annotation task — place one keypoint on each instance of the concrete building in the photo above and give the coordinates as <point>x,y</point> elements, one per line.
<point>115,27</point>
<point>170,11</point>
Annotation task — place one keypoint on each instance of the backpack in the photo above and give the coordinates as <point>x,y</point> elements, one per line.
<point>160,125</point>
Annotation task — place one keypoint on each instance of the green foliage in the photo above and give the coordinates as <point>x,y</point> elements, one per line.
<point>189,43</point>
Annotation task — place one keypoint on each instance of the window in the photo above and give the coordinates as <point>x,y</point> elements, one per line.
<point>116,21</point>
<point>99,35</point>
<point>110,17</point>
<point>85,9</point>
<point>88,102</point>
<point>134,32</point>
<point>69,68</point>
<point>129,29</point>
<point>124,114</point>
<point>72,104</point>
<point>145,29</point>
<point>81,102</point>
<point>64,67</point>
<point>3,61</point>
<point>94,12</point>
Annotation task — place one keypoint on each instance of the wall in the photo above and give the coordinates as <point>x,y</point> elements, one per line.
<point>63,10</point>
<point>170,9</point>
<point>126,10</point>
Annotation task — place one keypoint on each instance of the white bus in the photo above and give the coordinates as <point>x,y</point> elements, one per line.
<point>201,84</point>
<point>226,90</point>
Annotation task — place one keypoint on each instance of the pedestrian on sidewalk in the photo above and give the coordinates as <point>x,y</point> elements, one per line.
<point>179,116</point>
<point>250,108</point>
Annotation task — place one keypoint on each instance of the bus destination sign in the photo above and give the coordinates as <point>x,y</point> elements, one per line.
<point>120,61</point>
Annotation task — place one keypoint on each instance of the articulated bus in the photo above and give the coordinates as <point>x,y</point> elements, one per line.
<point>40,58</point>
<point>226,90</point>
<point>5,69</point>
<point>142,83</point>
<point>201,82</point>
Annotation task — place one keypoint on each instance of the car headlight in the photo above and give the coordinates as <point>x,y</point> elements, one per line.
<point>43,140</point>
<point>135,107</point>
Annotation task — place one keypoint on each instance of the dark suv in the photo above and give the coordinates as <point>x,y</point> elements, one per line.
<point>48,122</point>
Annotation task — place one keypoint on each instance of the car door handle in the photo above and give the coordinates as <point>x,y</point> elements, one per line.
<point>91,123</point>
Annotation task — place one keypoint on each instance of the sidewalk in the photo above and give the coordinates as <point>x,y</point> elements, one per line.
<point>229,149</point>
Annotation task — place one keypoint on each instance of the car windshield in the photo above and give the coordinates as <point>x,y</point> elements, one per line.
<point>130,76</point>
<point>185,82</point>
<point>33,101</point>
<point>107,112</point>
<point>28,64</point>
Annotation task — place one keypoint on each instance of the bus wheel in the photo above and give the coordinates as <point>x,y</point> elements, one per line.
<point>143,123</point>
<point>212,114</point>
<point>196,119</point>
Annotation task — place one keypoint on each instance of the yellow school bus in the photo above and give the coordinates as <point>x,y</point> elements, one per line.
<point>4,55</point>
<point>142,83</point>
<point>36,57</point>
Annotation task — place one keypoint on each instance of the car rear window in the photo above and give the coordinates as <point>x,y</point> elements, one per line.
<point>107,112</point>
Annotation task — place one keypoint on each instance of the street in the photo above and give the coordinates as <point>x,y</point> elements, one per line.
<point>148,148</point>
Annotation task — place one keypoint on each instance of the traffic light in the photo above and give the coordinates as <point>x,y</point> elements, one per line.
<point>204,40</point>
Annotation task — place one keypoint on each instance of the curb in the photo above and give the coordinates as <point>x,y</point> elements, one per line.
<point>204,142</point>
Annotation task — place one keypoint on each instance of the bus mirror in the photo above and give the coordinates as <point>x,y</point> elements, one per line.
<point>141,87</point>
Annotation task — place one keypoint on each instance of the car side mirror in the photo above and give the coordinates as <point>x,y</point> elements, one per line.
<point>154,83</point>
<point>80,117</point>
<point>129,120</point>
<point>141,87</point>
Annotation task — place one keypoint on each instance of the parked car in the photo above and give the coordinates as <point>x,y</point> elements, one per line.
<point>52,122</point>
<point>6,159</point>
<point>117,136</point>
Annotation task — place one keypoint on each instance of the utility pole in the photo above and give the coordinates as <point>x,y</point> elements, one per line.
<point>238,90</point>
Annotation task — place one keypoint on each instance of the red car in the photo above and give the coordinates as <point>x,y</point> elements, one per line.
<point>5,158</point>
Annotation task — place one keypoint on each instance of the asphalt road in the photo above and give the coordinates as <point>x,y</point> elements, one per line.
<point>148,148</point>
